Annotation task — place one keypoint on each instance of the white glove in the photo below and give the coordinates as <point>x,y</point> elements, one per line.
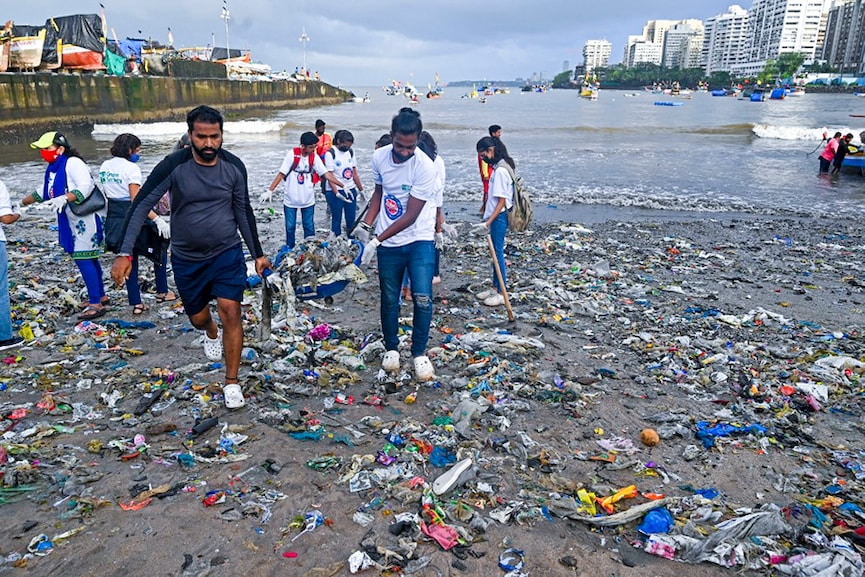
<point>20,208</point>
<point>362,232</point>
<point>163,227</point>
<point>440,241</point>
<point>266,196</point>
<point>369,249</point>
<point>479,228</point>
<point>344,195</point>
<point>58,203</point>
<point>450,231</point>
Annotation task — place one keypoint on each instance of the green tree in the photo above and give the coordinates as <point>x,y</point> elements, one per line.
<point>563,79</point>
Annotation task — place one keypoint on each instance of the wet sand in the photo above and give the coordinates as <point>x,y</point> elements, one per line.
<point>628,314</point>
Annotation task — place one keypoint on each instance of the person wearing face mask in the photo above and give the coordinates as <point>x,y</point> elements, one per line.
<point>120,178</point>
<point>403,212</point>
<point>68,180</point>
<point>341,162</point>
<point>495,220</point>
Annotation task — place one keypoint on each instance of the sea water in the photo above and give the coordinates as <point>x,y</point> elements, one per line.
<point>614,157</point>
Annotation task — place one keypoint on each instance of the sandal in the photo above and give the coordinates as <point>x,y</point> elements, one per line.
<point>91,312</point>
<point>140,309</point>
<point>104,301</point>
<point>233,396</point>
<point>166,297</point>
<point>213,347</point>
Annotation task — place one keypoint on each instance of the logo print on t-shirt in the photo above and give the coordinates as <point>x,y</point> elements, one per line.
<point>347,174</point>
<point>392,207</point>
<point>300,178</point>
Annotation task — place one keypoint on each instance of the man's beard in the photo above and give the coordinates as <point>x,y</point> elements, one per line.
<point>207,154</point>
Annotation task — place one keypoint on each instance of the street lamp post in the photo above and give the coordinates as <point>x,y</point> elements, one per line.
<point>303,40</point>
<point>226,15</point>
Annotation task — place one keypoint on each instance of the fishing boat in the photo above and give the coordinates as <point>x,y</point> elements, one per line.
<point>25,48</point>
<point>589,93</point>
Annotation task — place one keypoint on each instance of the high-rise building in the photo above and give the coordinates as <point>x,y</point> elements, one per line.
<point>677,43</point>
<point>649,46</point>
<point>844,39</point>
<point>724,40</point>
<point>566,65</point>
<point>778,27</point>
<point>644,52</point>
<point>596,54</point>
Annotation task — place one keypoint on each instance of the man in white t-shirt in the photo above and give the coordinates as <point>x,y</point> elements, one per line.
<point>341,162</point>
<point>297,171</point>
<point>8,340</point>
<point>403,211</point>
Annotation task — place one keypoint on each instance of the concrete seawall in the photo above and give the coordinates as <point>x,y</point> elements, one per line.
<point>32,103</point>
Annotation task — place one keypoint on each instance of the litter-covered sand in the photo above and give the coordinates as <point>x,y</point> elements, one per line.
<point>673,398</point>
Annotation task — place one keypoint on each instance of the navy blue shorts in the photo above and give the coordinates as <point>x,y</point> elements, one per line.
<point>200,281</point>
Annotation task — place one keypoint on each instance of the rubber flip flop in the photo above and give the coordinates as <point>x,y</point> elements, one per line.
<point>449,479</point>
<point>91,312</point>
<point>233,396</point>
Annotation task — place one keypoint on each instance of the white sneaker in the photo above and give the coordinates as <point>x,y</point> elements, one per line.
<point>423,369</point>
<point>213,347</point>
<point>495,301</point>
<point>436,280</point>
<point>390,362</point>
<point>483,295</point>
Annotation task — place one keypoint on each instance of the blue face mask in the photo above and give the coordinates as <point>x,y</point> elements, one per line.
<point>134,157</point>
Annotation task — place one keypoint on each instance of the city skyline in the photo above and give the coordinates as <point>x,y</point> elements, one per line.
<point>381,40</point>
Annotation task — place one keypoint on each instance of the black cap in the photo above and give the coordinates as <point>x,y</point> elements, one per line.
<point>308,138</point>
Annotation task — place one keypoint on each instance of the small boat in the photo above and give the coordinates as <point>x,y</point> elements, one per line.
<point>777,94</point>
<point>667,103</point>
<point>719,92</point>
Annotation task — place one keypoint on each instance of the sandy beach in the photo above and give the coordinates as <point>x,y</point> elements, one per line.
<point>620,327</point>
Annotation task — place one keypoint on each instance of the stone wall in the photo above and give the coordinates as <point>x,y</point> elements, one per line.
<point>32,103</point>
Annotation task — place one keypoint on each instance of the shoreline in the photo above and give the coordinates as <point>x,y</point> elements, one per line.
<point>628,312</point>
<point>34,102</point>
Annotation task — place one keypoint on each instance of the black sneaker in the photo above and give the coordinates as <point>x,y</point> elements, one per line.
<point>10,343</point>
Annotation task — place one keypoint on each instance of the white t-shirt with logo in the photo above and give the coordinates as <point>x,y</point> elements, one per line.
<point>115,176</point>
<point>415,177</point>
<point>5,207</point>
<point>299,189</point>
<point>342,165</point>
<point>501,186</point>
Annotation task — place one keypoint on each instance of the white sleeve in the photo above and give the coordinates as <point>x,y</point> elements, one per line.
<point>285,167</point>
<point>78,177</point>
<point>424,185</point>
<point>329,161</point>
<point>318,165</point>
<point>5,202</point>
<point>134,174</point>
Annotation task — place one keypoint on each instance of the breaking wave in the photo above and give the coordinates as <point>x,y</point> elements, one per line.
<point>173,129</point>
<point>769,131</point>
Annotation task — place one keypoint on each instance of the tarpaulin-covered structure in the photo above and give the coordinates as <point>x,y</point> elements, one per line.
<point>75,41</point>
<point>25,48</point>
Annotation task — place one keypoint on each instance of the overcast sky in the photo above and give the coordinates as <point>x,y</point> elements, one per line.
<point>371,42</point>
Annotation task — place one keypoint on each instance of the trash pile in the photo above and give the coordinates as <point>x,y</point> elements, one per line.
<point>689,391</point>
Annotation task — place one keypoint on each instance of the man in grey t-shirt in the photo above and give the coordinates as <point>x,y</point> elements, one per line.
<point>209,205</point>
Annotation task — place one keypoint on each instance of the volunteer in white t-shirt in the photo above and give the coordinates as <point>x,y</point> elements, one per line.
<point>8,339</point>
<point>341,162</point>
<point>403,210</point>
<point>120,180</point>
<point>297,172</point>
<point>500,199</point>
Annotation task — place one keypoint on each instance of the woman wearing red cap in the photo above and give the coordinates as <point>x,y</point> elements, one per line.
<point>68,180</point>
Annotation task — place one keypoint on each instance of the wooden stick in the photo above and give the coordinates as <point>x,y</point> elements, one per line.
<point>499,277</point>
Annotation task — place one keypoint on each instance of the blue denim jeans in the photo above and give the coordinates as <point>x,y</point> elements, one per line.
<point>5,309</point>
<point>160,273</point>
<point>498,228</point>
<point>338,207</point>
<point>418,258</point>
<point>307,217</point>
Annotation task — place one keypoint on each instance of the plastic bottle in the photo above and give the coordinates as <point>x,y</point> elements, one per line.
<point>247,354</point>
